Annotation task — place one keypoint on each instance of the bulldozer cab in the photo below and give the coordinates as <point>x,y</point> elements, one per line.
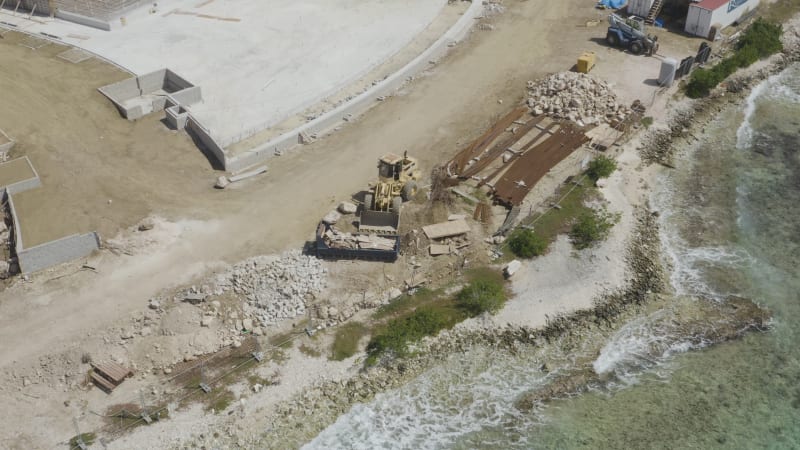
<point>392,167</point>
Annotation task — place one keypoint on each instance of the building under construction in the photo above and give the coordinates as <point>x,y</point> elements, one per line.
<point>95,13</point>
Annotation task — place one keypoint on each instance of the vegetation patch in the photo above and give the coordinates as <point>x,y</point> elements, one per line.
<point>310,350</point>
<point>412,317</point>
<point>524,243</point>
<point>558,220</point>
<point>760,40</point>
<point>407,302</point>
<point>219,400</point>
<point>345,342</point>
<point>592,227</point>
<point>482,295</point>
<point>601,167</point>
<point>87,438</point>
<point>647,121</point>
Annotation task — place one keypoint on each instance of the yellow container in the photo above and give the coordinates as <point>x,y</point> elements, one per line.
<point>586,62</point>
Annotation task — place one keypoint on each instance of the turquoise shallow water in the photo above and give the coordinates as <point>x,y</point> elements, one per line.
<point>731,225</point>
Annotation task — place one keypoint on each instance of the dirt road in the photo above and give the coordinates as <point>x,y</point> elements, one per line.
<point>432,118</point>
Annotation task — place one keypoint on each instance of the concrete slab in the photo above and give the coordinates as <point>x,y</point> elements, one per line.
<point>257,61</point>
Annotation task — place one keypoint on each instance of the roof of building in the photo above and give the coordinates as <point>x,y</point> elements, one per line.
<point>712,5</point>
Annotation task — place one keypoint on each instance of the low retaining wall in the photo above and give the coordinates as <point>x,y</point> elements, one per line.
<point>203,138</point>
<point>16,239</point>
<point>6,143</point>
<point>362,102</point>
<point>25,184</point>
<point>57,252</point>
<point>83,20</point>
<point>50,253</point>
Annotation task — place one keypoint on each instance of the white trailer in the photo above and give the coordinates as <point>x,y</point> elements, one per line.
<point>716,14</point>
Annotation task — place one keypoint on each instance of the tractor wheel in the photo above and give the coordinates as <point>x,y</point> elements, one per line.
<point>397,202</point>
<point>612,39</point>
<point>409,190</point>
<point>636,48</point>
<point>368,201</point>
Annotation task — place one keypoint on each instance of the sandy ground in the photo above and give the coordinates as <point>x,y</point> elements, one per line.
<point>566,279</point>
<point>432,118</point>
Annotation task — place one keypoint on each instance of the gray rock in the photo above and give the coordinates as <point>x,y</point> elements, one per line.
<point>347,208</point>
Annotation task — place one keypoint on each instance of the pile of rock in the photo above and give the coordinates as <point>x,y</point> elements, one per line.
<point>275,287</point>
<point>578,97</point>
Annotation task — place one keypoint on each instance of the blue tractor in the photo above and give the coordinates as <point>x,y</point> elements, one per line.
<point>630,33</point>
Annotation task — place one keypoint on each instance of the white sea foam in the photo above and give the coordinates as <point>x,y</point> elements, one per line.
<point>778,87</point>
<point>643,345</point>
<point>441,407</point>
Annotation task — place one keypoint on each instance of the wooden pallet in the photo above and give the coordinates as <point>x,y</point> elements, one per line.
<point>108,375</point>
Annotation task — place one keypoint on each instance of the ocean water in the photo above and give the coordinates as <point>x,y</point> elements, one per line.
<point>730,219</point>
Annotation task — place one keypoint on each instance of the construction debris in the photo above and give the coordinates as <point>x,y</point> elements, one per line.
<point>275,287</point>
<point>578,97</point>
<point>336,239</point>
<point>437,249</point>
<point>332,217</point>
<point>347,208</point>
<point>446,229</point>
<point>223,181</point>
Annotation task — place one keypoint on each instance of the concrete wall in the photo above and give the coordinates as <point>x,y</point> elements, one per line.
<point>364,101</point>
<point>26,184</point>
<point>178,92</point>
<point>57,252</point>
<point>6,143</point>
<point>188,96</point>
<point>83,20</point>
<point>151,82</point>
<point>204,139</point>
<point>177,117</point>
<point>16,236</point>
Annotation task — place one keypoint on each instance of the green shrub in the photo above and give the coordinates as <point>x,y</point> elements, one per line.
<point>345,342</point>
<point>764,37</point>
<point>591,227</point>
<point>601,167</point>
<point>481,296</point>
<point>527,244</point>
<point>759,41</point>
<point>425,321</point>
<point>647,121</point>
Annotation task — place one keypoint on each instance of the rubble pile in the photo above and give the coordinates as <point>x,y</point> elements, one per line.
<point>336,239</point>
<point>275,287</point>
<point>578,97</point>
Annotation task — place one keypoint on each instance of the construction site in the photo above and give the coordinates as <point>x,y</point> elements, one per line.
<point>198,194</point>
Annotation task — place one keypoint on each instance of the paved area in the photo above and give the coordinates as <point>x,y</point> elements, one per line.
<point>256,61</point>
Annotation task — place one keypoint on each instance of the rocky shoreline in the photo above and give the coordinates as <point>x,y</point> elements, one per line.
<point>295,421</point>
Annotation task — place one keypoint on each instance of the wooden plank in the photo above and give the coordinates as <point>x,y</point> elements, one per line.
<point>112,371</point>
<point>101,382</point>
<point>446,229</point>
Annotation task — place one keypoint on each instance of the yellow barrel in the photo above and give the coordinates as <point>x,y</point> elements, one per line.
<point>586,62</point>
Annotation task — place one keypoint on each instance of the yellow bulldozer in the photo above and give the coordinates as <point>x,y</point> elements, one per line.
<point>397,182</point>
